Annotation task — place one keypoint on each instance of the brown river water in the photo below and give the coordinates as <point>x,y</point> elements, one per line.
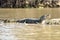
<point>18,31</point>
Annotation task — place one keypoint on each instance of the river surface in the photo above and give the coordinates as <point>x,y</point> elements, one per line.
<point>28,13</point>
<point>18,31</point>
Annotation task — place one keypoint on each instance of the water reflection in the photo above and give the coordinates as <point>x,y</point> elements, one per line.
<point>16,31</point>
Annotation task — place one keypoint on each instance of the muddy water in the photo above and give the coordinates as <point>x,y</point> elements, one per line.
<point>16,31</point>
<point>29,12</point>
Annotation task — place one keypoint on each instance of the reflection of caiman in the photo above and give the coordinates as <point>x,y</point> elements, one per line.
<point>32,20</point>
